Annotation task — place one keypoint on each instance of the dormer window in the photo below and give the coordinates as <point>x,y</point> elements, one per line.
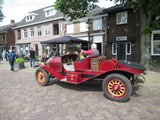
<point>50,11</point>
<point>30,17</point>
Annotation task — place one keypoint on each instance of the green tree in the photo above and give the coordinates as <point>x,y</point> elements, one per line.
<point>75,8</point>
<point>1,13</point>
<point>149,13</point>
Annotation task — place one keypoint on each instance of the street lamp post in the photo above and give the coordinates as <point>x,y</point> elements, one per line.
<point>89,26</point>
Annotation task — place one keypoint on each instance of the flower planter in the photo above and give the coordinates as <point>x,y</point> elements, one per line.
<point>19,66</point>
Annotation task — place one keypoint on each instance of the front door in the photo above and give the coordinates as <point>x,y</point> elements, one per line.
<point>121,53</point>
<point>36,49</point>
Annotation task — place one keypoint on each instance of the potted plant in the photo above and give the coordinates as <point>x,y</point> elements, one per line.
<point>19,63</point>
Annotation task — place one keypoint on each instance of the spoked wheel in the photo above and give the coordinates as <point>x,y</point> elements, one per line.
<point>42,77</point>
<point>117,87</point>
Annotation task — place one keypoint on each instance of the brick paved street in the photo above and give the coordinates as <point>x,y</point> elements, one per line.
<point>21,98</point>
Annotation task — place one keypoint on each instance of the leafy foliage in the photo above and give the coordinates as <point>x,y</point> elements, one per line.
<point>1,13</point>
<point>152,25</point>
<point>19,60</point>
<point>152,10</point>
<point>152,62</point>
<point>75,8</point>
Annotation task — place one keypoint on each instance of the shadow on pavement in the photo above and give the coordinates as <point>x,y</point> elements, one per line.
<point>134,94</point>
<point>85,86</point>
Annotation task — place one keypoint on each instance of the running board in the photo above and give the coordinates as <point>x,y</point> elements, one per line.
<point>65,80</point>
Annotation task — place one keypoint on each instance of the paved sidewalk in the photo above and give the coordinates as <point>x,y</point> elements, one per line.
<point>21,98</point>
<point>5,65</point>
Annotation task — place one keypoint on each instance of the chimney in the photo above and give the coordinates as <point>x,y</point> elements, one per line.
<point>12,21</point>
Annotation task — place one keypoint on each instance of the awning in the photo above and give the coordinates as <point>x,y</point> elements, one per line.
<point>65,40</point>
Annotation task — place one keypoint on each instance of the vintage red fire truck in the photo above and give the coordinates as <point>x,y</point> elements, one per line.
<point>120,77</point>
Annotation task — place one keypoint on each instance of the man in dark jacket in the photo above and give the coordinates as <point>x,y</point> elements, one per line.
<point>32,57</point>
<point>11,58</point>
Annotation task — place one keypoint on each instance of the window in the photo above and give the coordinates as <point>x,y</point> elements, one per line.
<point>97,24</point>
<point>155,43</point>
<point>3,38</point>
<point>128,48</point>
<point>121,18</point>
<point>27,49</point>
<point>70,28</point>
<point>50,11</point>
<point>23,49</point>
<point>56,29</point>
<point>30,17</point>
<point>31,32</point>
<point>25,33</point>
<point>19,34</point>
<point>83,27</point>
<point>39,31</point>
<point>47,30</point>
<point>114,49</point>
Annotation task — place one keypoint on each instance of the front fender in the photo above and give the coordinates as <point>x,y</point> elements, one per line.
<point>131,70</point>
<point>54,73</point>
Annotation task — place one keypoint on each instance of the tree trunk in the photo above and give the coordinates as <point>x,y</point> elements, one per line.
<point>145,40</point>
<point>145,50</point>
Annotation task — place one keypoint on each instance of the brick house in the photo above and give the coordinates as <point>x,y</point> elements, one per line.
<point>7,37</point>
<point>123,29</point>
<point>36,27</point>
<point>123,33</point>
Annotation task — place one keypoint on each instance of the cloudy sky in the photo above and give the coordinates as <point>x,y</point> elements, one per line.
<point>17,9</point>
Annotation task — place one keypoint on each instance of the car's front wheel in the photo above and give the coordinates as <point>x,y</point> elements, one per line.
<point>117,87</point>
<point>42,77</point>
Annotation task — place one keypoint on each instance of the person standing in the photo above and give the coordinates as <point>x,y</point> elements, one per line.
<point>32,57</point>
<point>4,55</point>
<point>7,54</point>
<point>11,58</point>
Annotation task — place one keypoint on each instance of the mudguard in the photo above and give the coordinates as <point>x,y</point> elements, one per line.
<point>54,73</point>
